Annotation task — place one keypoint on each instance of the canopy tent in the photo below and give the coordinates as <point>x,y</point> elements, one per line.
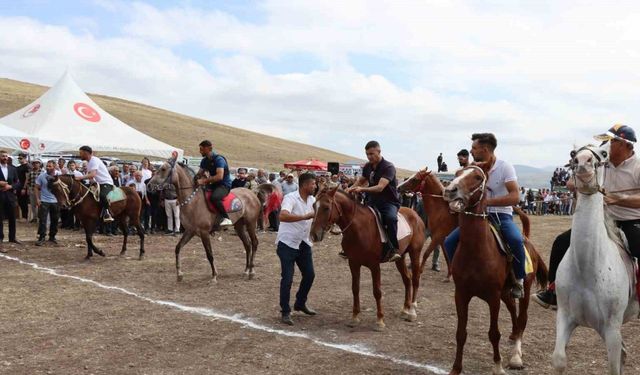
<point>17,140</point>
<point>311,165</point>
<point>65,118</point>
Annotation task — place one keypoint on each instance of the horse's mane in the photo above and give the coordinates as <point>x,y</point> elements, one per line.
<point>433,179</point>
<point>612,230</point>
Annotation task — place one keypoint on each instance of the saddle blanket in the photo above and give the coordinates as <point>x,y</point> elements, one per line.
<point>631,265</point>
<point>528,265</point>
<point>116,195</point>
<point>231,203</point>
<point>404,229</point>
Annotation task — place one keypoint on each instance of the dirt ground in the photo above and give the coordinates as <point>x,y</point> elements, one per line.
<point>59,325</point>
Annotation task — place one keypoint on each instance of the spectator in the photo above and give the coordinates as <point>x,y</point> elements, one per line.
<point>124,176</point>
<point>61,167</point>
<point>289,186</point>
<point>146,169</point>
<point>523,198</point>
<point>274,221</point>
<point>463,158</point>
<point>334,182</point>
<point>439,161</point>
<point>241,179</point>
<point>141,189</point>
<point>444,167</point>
<point>172,209</point>
<point>36,165</point>
<point>283,176</point>
<point>23,194</point>
<point>8,200</point>
<point>251,183</point>
<point>47,205</point>
<point>261,178</point>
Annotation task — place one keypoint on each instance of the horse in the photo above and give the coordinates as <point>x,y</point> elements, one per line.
<point>197,219</point>
<point>480,270</point>
<point>73,194</point>
<point>362,245</point>
<point>441,221</point>
<point>593,287</point>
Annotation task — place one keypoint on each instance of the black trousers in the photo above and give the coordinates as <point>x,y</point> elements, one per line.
<point>104,190</point>
<point>389,216</point>
<point>23,203</point>
<point>561,244</point>
<point>274,219</point>
<point>218,193</point>
<point>8,212</point>
<point>51,210</point>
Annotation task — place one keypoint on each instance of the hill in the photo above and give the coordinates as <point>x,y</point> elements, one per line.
<point>532,177</point>
<point>241,147</point>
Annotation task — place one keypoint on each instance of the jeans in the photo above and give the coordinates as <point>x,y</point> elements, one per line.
<point>511,234</point>
<point>303,257</point>
<point>389,216</point>
<point>51,210</point>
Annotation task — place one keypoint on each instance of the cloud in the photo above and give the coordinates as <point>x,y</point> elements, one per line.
<point>542,76</point>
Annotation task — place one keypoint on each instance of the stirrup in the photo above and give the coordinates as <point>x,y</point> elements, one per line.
<point>107,218</point>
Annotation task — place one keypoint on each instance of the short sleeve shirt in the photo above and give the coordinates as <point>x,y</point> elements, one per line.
<point>623,177</point>
<point>212,164</point>
<point>501,173</point>
<point>293,234</point>
<point>45,194</point>
<point>384,169</point>
<point>102,173</point>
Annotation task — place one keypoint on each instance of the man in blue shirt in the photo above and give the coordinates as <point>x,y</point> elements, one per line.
<point>219,180</point>
<point>47,205</point>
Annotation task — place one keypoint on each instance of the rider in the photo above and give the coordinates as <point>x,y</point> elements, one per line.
<point>219,180</point>
<point>382,193</point>
<point>502,193</point>
<point>622,174</point>
<point>98,172</point>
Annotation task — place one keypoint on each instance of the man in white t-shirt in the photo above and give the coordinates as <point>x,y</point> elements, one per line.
<point>502,194</point>
<point>98,172</point>
<point>294,246</point>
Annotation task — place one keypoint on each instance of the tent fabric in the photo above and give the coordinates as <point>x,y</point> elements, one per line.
<point>312,165</point>
<point>65,118</point>
<point>17,140</point>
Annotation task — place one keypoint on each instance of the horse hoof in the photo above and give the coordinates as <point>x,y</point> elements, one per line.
<point>251,276</point>
<point>141,257</point>
<point>409,316</point>
<point>353,323</point>
<point>380,327</point>
<point>446,280</point>
<point>99,252</point>
<point>498,370</point>
<point>180,277</point>
<point>214,280</point>
<point>516,364</point>
<point>87,258</point>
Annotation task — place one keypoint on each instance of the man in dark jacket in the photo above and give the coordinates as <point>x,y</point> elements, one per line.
<point>8,185</point>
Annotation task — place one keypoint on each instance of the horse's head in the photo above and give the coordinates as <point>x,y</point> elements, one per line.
<point>414,183</point>
<point>326,213</point>
<point>163,176</point>
<point>586,165</point>
<point>60,190</point>
<point>467,189</point>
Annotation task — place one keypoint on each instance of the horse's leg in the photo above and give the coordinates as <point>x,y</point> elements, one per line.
<point>246,242</point>
<point>206,242</point>
<point>513,311</point>
<point>125,232</point>
<point>564,329</point>
<point>377,294</point>
<point>425,256</point>
<point>186,237</point>
<point>494,333</point>
<point>462,309</point>
<point>407,314</point>
<point>140,231</point>
<point>91,248</point>
<point>251,228</point>
<point>613,339</point>
<point>416,272</point>
<point>355,290</point>
<point>523,316</point>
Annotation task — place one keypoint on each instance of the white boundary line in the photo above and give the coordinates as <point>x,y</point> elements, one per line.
<point>203,311</point>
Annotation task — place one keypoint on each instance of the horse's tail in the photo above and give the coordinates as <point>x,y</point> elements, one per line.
<point>542,272</point>
<point>526,223</point>
<point>271,198</point>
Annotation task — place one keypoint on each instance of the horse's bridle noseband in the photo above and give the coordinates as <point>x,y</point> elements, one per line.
<point>599,163</point>
<point>66,189</point>
<point>327,228</point>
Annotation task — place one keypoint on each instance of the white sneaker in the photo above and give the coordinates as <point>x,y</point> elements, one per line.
<point>226,222</point>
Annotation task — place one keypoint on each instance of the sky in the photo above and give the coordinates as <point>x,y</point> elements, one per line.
<point>418,76</point>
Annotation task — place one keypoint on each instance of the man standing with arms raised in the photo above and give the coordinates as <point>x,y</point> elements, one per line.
<point>382,193</point>
<point>98,172</point>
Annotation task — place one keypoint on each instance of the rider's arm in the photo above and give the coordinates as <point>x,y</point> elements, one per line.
<point>629,201</point>
<point>218,176</point>
<point>377,188</point>
<point>288,217</point>
<point>511,199</point>
<point>88,176</point>
<point>359,182</point>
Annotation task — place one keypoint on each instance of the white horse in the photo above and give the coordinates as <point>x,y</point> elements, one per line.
<point>593,285</point>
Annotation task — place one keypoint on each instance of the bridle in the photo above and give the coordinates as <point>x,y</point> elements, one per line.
<point>480,188</point>
<point>441,195</point>
<point>340,214</point>
<point>172,163</point>
<point>600,162</point>
<point>66,190</point>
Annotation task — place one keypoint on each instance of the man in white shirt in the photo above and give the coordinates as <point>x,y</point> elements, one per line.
<point>98,172</point>
<point>294,246</point>
<point>502,193</point>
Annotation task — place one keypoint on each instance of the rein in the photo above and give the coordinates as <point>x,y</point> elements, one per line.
<point>340,214</point>
<point>66,190</point>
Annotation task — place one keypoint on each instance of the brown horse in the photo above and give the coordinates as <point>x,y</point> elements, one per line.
<point>441,221</point>
<point>362,244</point>
<point>480,270</point>
<point>198,220</point>
<point>73,194</point>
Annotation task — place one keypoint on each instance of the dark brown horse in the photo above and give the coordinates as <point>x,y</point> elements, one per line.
<point>441,221</point>
<point>480,270</point>
<point>73,194</point>
<point>362,244</point>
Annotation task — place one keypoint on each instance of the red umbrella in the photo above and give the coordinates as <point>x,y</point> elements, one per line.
<point>312,165</point>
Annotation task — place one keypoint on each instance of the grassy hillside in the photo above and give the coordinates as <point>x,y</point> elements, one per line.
<point>241,147</point>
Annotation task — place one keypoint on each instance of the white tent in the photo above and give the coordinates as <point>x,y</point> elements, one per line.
<point>17,140</point>
<point>65,118</point>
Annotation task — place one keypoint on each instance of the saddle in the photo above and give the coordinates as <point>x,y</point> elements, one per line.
<point>506,250</point>
<point>631,265</point>
<point>231,203</point>
<point>116,195</point>
<point>404,229</point>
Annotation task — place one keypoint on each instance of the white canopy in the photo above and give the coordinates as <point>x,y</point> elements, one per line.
<point>65,118</point>
<point>17,140</point>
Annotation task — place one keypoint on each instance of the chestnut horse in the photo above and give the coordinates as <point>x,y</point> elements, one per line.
<point>441,221</point>
<point>362,244</point>
<point>480,270</point>
<point>71,193</point>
